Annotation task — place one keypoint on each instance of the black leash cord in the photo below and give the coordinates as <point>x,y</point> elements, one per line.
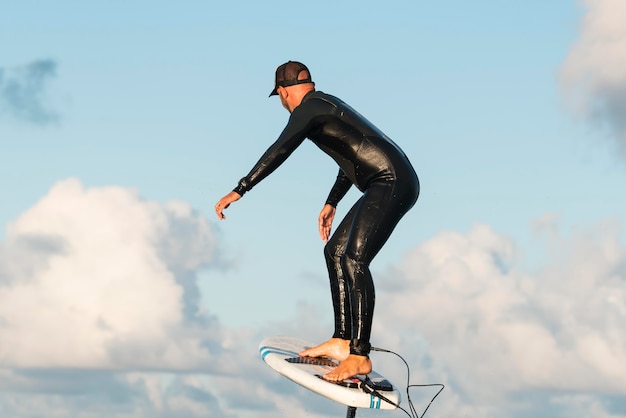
<point>368,387</point>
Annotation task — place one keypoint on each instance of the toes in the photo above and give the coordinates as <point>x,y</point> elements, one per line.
<point>332,379</point>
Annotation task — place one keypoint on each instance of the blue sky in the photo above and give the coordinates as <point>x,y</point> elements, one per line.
<point>122,123</point>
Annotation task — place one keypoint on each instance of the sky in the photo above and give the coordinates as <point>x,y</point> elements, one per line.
<point>122,124</point>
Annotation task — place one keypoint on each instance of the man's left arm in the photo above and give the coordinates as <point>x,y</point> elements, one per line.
<point>339,189</point>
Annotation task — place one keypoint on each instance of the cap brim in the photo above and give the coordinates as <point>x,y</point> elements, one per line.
<point>274,92</point>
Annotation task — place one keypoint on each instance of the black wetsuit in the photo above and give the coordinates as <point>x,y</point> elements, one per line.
<point>368,159</point>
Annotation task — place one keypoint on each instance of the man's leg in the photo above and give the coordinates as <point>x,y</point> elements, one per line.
<point>338,346</point>
<point>373,219</point>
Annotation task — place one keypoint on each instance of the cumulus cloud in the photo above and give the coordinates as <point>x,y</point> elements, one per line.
<point>23,91</point>
<point>99,307</point>
<point>594,73</point>
<point>99,278</point>
<point>494,331</point>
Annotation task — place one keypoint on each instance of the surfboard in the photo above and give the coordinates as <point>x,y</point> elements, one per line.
<point>372,391</point>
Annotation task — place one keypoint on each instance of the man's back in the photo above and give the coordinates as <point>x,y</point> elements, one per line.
<point>362,150</point>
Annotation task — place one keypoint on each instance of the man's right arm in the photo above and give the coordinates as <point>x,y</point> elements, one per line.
<point>292,136</point>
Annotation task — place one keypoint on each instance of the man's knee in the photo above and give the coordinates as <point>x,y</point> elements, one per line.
<point>352,264</point>
<point>332,253</point>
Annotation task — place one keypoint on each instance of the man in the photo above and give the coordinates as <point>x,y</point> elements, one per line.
<point>368,159</point>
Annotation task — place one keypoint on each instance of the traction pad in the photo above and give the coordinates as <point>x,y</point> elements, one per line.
<point>364,383</point>
<point>313,361</point>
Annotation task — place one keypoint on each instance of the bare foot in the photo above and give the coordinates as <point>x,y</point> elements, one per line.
<point>351,366</point>
<point>335,348</point>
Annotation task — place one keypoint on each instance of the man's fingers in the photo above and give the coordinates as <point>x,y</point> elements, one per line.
<point>324,231</point>
<point>219,208</point>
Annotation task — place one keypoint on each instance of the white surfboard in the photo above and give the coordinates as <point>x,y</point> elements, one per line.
<point>281,354</point>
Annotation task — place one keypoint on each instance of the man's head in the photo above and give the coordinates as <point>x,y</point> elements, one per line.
<point>293,81</point>
<point>291,73</point>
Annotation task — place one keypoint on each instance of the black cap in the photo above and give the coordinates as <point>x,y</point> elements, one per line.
<point>288,73</point>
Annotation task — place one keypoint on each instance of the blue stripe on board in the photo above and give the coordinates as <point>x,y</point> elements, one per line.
<point>374,402</point>
<point>265,350</point>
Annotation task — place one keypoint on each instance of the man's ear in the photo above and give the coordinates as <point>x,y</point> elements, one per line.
<point>284,91</point>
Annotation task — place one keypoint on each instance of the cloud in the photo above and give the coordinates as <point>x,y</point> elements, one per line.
<point>81,393</point>
<point>23,92</point>
<point>594,73</point>
<point>497,333</point>
<point>99,278</point>
<point>101,315</point>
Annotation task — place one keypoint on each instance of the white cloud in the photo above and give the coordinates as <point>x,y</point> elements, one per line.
<point>99,307</point>
<point>491,329</point>
<point>99,278</point>
<point>594,74</point>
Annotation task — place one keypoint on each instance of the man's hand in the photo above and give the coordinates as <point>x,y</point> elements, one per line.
<point>225,202</point>
<point>325,221</point>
